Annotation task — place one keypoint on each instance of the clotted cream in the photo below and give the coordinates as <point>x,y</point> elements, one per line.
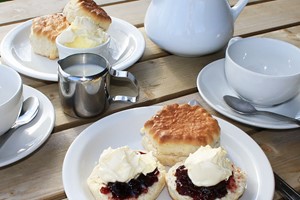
<point>208,166</point>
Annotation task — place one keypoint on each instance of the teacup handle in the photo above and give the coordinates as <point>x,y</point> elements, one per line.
<point>132,79</point>
<point>237,8</point>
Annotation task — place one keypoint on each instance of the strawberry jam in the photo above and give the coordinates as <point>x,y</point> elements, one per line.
<point>185,186</point>
<point>132,189</point>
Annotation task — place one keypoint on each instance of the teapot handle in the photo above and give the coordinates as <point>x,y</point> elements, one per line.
<point>237,8</point>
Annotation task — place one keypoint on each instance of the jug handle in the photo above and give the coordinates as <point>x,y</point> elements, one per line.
<point>237,8</point>
<point>131,78</point>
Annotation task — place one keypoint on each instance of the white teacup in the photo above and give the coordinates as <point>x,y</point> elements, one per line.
<point>263,71</point>
<point>11,91</point>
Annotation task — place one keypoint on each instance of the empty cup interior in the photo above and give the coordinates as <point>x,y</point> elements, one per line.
<point>266,56</point>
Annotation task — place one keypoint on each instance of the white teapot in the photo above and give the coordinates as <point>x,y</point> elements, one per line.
<point>191,27</point>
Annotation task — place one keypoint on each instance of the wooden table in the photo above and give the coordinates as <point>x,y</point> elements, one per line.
<point>39,176</point>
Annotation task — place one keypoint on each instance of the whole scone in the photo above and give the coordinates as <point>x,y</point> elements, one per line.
<point>43,33</point>
<point>178,130</point>
<point>125,174</point>
<point>87,8</point>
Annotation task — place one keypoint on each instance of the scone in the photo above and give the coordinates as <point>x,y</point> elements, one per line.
<point>214,179</point>
<point>44,31</point>
<point>125,174</point>
<point>178,130</point>
<point>87,8</point>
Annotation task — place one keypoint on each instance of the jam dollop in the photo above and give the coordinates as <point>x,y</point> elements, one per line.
<point>132,189</point>
<point>185,186</point>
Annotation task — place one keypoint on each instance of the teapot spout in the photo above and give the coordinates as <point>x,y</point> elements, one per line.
<point>237,8</point>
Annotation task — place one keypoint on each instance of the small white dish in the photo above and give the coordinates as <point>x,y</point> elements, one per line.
<point>27,138</point>
<point>212,86</point>
<point>83,154</point>
<point>91,41</point>
<point>64,51</point>
<point>127,45</point>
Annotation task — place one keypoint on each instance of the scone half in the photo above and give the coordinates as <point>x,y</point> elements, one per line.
<point>89,9</point>
<point>235,186</point>
<point>100,192</point>
<point>127,174</point>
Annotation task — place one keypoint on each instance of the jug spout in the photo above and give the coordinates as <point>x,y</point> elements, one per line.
<point>237,8</point>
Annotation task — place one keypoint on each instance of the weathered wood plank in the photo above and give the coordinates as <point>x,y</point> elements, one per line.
<point>282,149</point>
<point>19,11</point>
<point>38,176</point>
<point>264,17</point>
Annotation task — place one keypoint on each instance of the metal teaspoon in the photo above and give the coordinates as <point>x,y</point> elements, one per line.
<point>28,112</point>
<point>244,107</point>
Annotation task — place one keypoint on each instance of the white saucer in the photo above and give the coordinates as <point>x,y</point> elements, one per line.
<point>126,47</point>
<point>212,86</point>
<point>27,138</point>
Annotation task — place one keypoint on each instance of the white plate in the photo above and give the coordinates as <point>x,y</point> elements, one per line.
<point>27,138</point>
<point>123,128</point>
<point>127,46</point>
<point>212,86</point>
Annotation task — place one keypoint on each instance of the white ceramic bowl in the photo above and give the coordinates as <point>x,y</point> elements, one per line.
<point>11,90</point>
<point>64,51</point>
<point>263,71</point>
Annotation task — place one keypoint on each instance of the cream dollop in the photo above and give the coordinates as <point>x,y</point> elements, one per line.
<point>208,166</point>
<point>83,33</point>
<point>123,164</point>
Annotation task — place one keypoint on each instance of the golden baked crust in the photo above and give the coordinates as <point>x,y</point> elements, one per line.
<point>183,124</point>
<point>87,8</point>
<point>178,130</point>
<point>43,33</point>
<point>49,26</point>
